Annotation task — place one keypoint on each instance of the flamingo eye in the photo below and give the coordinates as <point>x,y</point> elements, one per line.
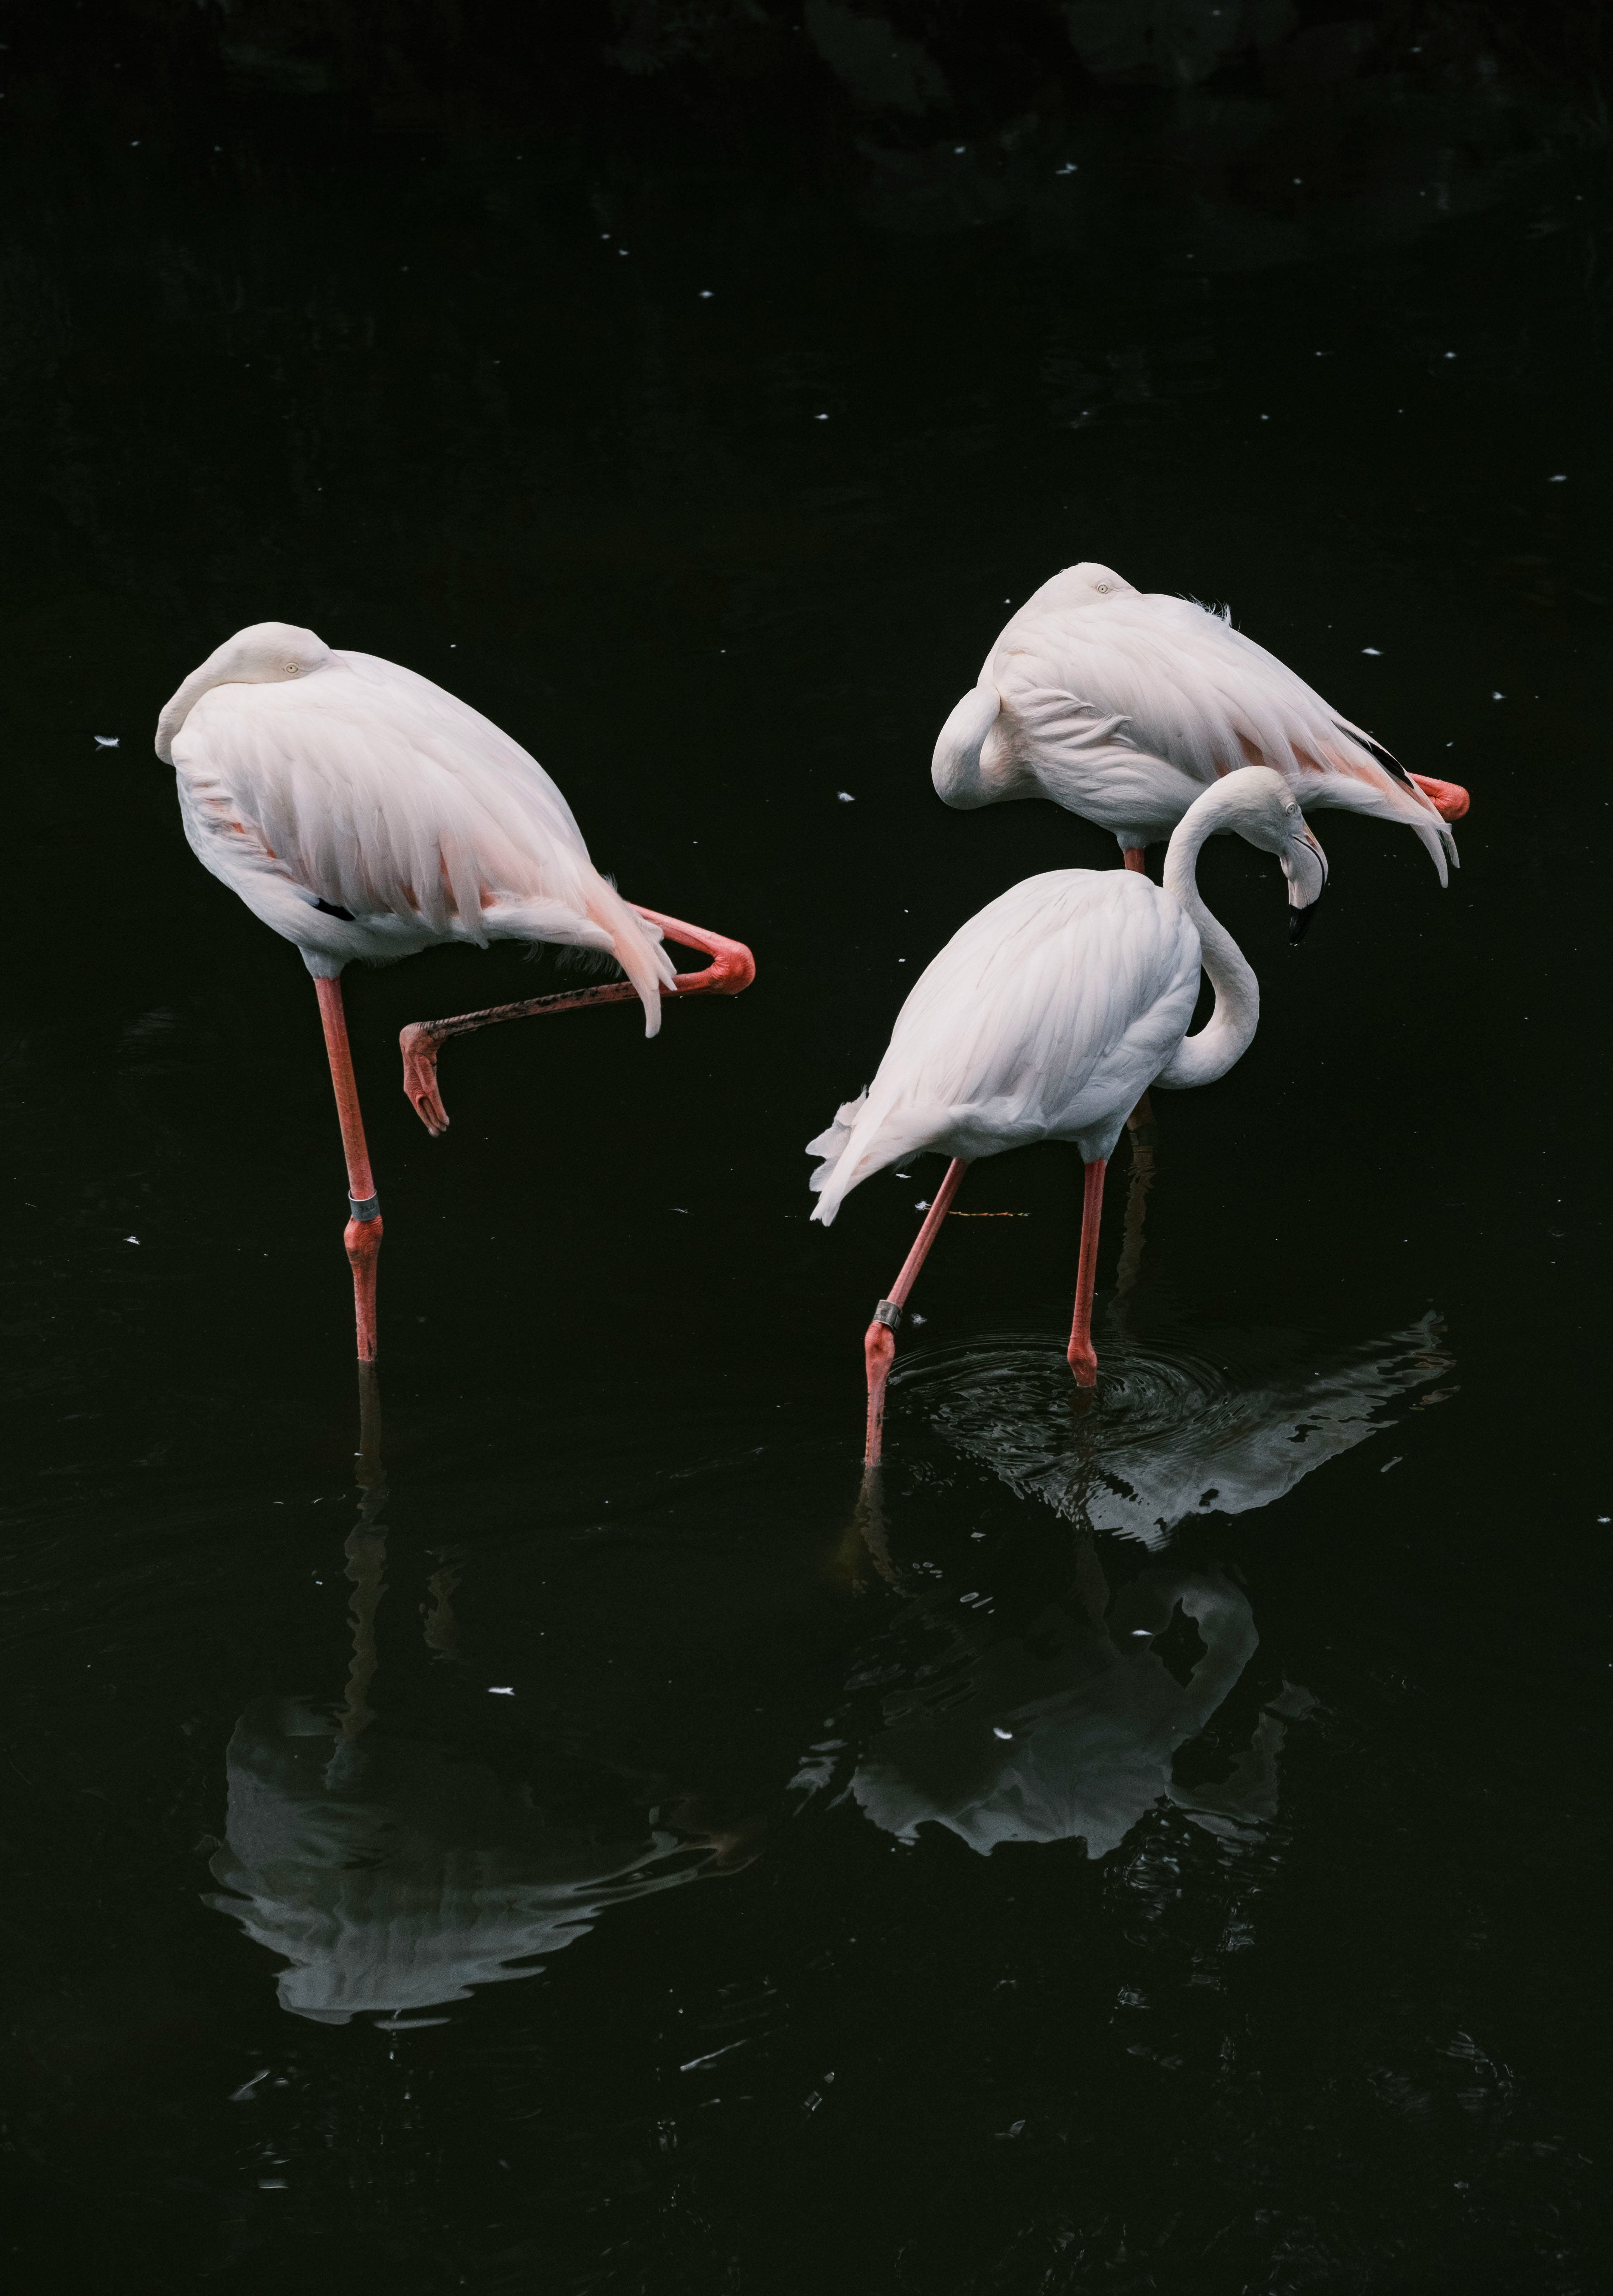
<point>1102,588</point>
<point>292,669</point>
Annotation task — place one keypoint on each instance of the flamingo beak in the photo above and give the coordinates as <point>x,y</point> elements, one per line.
<point>1305,866</point>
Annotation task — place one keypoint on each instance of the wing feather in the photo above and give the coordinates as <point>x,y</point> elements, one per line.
<point>372,790</point>
<point>1143,701</point>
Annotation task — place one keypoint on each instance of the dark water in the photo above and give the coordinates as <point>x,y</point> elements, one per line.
<point>1158,1847</point>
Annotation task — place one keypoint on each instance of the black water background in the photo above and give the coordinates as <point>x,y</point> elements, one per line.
<point>270,352</point>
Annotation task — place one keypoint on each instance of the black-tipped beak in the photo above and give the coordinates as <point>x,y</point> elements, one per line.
<point>1299,923</point>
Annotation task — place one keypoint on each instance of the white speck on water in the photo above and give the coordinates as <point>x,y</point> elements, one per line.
<point>1605,1518</point>
<point>998,1732</point>
<point>1265,418</point>
<point>1498,697</point>
<point>1068,169</point>
<point>1377,650</point>
<point>924,1319</point>
<point>106,741</point>
<point>820,418</point>
<point>846,797</point>
<point>131,1239</point>
<point>1142,1634</point>
<point>272,2183</point>
<point>1557,479</point>
<point>923,1205</point>
<point>1395,1461</point>
<point>1450,355</point>
<point>712,2058</point>
<point>500,1690</point>
<point>243,2094</point>
<point>705,294</point>
<point>685,1209</point>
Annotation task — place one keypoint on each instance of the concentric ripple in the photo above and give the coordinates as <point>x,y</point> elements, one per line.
<point>1168,1433</point>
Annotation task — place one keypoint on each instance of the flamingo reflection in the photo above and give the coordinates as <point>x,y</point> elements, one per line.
<point>395,1877</point>
<point>1069,1724</point>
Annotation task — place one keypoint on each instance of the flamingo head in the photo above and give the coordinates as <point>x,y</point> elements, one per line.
<point>265,653</point>
<point>1262,807</point>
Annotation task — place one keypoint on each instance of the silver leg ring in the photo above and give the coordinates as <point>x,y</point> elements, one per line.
<point>888,1314</point>
<point>364,1207</point>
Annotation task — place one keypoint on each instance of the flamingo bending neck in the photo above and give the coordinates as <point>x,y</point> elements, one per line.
<point>1228,1033</point>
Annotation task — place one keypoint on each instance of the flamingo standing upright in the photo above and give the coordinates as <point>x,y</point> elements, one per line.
<point>1046,1017</point>
<point>363,812</point>
<point>1123,706</point>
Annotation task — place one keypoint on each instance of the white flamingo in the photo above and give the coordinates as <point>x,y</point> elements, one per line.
<point>1123,706</point>
<point>363,812</point>
<point>1046,1017</point>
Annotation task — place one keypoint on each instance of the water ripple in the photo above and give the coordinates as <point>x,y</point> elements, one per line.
<point>1170,1432</point>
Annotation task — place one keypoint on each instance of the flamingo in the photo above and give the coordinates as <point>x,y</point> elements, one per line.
<point>1046,1017</point>
<point>1121,706</point>
<point>361,811</point>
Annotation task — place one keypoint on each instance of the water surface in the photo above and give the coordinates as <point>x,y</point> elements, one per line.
<point>588,1844</point>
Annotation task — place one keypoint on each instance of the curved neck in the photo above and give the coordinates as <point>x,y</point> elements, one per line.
<point>1230,1030</point>
<point>172,720</point>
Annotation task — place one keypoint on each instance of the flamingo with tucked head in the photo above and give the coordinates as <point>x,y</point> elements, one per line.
<point>361,811</point>
<point>1046,1017</point>
<point>1123,706</point>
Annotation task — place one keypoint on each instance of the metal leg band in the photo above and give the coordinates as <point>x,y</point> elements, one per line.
<point>364,1207</point>
<point>888,1314</point>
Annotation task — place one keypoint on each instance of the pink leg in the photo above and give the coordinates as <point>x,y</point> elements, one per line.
<point>362,1237</point>
<point>1136,858</point>
<point>879,1339</point>
<point>732,970</point>
<point>1082,1357</point>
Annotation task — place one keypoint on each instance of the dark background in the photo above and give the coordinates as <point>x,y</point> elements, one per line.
<point>498,342</point>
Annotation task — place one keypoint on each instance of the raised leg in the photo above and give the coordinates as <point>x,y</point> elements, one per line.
<point>1136,858</point>
<point>879,1339</point>
<point>1082,1356</point>
<point>732,969</point>
<point>362,1236</point>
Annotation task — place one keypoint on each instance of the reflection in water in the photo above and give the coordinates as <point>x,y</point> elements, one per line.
<point>393,1877</point>
<point>1066,1731</point>
<point>1068,1726</point>
<point>1174,1435</point>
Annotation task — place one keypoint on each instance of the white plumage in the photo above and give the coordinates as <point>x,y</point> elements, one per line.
<point>363,812</point>
<point>1123,707</point>
<point>1051,1013</point>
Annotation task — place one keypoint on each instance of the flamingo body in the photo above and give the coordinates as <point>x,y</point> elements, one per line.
<point>1051,1013</point>
<point>362,811</point>
<point>1046,1017</point>
<point>1123,706</point>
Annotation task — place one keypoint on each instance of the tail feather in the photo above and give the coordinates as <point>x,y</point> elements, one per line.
<point>638,949</point>
<point>1386,789</point>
